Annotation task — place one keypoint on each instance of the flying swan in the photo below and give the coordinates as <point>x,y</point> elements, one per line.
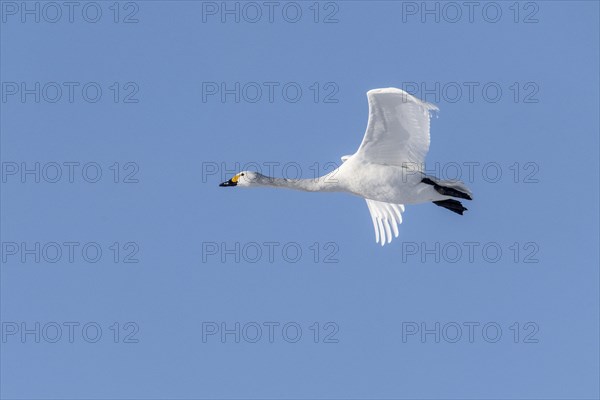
<point>387,169</point>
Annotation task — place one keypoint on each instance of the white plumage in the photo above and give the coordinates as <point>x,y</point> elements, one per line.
<point>387,169</point>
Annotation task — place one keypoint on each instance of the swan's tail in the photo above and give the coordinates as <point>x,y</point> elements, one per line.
<point>450,188</point>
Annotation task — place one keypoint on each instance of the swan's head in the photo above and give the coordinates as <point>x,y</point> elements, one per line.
<point>243,179</point>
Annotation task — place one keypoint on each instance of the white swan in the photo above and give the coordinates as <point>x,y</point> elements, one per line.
<point>387,169</point>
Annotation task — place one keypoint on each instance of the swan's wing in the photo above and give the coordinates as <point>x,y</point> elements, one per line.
<point>386,218</point>
<point>398,128</point>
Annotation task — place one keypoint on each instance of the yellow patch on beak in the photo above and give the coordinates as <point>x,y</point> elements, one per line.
<point>235,178</point>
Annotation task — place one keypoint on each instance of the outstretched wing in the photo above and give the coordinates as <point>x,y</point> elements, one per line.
<point>398,128</point>
<point>386,218</point>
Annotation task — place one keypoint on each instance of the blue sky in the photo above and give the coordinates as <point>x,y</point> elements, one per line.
<point>128,273</point>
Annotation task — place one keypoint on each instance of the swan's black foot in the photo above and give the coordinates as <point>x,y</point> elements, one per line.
<point>452,205</point>
<point>446,191</point>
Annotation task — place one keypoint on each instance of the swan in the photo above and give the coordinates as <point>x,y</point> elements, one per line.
<point>386,170</point>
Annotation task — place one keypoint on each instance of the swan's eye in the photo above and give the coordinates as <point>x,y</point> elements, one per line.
<point>242,174</point>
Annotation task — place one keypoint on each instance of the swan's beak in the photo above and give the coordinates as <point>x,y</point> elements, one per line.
<point>230,182</point>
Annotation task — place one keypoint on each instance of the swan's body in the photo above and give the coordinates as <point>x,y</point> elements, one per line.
<point>387,169</point>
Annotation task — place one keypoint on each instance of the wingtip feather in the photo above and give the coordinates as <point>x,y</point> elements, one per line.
<point>407,97</point>
<point>385,218</point>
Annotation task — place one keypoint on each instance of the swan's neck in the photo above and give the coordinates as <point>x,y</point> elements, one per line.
<point>324,183</point>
